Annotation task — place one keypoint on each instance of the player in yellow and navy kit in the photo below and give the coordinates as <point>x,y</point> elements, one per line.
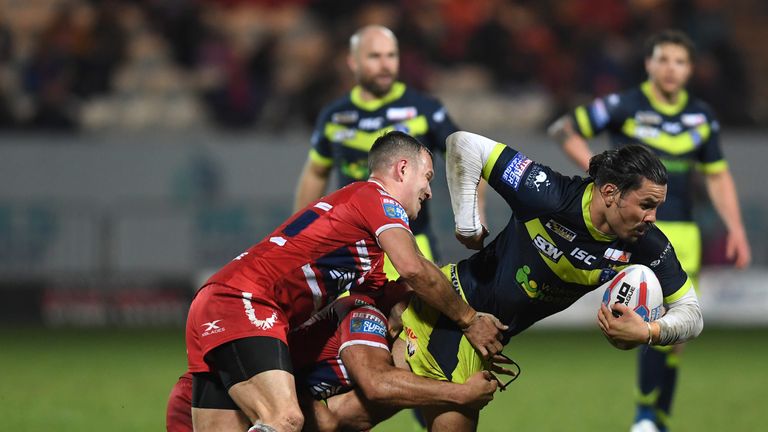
<point>566,237</point>
<point>685,134</point>
<point>347,127</point>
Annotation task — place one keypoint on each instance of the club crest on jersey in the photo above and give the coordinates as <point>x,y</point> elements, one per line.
<point>367,323</point>
<point>401,113</point>
<point>515,169</point>
<point>648,117</point>
<point>346,117</point>
<point>393,209</point>
<point>560,230</point>
<point>617,255</point>
<point>536,178</point>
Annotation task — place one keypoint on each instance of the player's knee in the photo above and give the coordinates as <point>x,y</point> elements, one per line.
<point>292,419</point>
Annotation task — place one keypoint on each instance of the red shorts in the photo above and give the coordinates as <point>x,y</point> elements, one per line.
<point>178,416</point>
<point>220,314</point>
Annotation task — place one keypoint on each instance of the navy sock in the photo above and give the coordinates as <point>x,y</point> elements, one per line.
<point>657,377</point>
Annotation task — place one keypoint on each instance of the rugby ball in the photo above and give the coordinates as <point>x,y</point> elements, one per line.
<point>638,288</point>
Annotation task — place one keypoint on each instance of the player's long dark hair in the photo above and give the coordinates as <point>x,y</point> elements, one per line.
<point>391,145</point>
<point>626,167</point>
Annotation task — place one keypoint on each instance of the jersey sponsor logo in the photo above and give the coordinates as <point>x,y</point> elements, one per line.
<point>439,115</point>
<point>548,249</point>
<point>648,117</point>
<point>617,255</point>
<point>393,209</point>
<point>673,128</point>
<point>536,178</point>
<point>344,134</point>
<point>241,256</point>
<point>383,192</point>
<point>367,326</point>
<point>515,169</point>
<point>212,327</point>
<point>646,132</point>
<point>560,230</point>
<point>374,123</point>
<point>582,255</point>
<point>663,256</point>
<point>693,120</point>
<point>347,117</point>
<point>600,114</point>
<point>401,113</point>
<point>411,342</point>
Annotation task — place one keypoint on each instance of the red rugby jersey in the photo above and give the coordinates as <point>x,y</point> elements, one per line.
<point>323,250</point>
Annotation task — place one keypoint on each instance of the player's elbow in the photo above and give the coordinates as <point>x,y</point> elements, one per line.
<point>454,139</point>
<point>411,270</point>
<point>378,390</point>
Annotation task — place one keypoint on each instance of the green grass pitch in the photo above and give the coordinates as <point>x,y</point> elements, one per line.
<point>118,380</point>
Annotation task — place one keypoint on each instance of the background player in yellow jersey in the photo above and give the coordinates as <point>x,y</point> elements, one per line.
<point>684,133</point>
<point>347,127</point>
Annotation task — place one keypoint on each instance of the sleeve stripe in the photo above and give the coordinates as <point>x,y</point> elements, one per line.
<point>388,226</point>
<point>488,167</point>
<point>363,342</point>
<point>582,121</point>
<point>319,159</point>
<point>714,167</point>
<point>677,295</point>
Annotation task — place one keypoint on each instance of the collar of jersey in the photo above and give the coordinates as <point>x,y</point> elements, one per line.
<point>395,93</point>
<point>661,106</point>
<point>586,199</point>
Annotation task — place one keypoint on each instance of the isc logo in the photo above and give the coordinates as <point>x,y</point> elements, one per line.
<point>625,293</point>
<point>548,249</point>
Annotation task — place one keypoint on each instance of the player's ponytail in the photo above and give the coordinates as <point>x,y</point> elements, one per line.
<point>626,167</point>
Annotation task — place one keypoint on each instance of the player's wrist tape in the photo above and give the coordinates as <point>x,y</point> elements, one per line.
<point>650,333</point>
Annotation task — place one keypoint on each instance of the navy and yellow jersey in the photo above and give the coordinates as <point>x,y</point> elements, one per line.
<point>684,135</point>
<point>550,254</point>
<point>347,128</point>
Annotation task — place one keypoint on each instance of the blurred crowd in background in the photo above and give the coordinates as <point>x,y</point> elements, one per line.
<point>271,64</point>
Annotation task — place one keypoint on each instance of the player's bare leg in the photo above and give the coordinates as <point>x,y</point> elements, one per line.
<point>451,421</point>
<point>270,398</point>
<point>208,419</point>
<point>317,415</point>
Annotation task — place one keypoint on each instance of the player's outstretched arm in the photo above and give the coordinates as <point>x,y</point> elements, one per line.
<point>312,184</point>
<point>574,145</point>
<point>429,283</point>
<point>381,382</point>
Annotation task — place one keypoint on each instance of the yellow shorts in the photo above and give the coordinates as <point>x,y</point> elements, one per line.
<point>686,239</point>
<point>435,347</point>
